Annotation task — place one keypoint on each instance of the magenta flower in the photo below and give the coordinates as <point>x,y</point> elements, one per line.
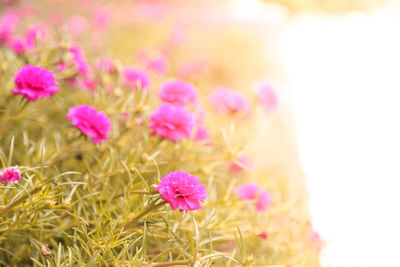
<point>267,96</point>
<point>10,175</point>
<point>81,65</point>
<point>35,82</point>
<point>248,191</point>
<point>263,201</point>
<point>172,122</point>
<point>135,78</point>
<point>244,161</point>
<point>17,45</point>
<point>91,122</point>
<point>181,189</point>
<point>178,93</point>
<point>7,26</point>
<point>230,102</point>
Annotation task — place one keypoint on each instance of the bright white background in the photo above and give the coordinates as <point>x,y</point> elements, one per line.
<point>343,76</point>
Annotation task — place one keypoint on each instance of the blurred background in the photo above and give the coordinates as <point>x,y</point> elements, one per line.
<point>335,66</point>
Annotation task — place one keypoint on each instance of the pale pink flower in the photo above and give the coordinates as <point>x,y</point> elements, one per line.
<point>191,69</point>
<point>263,201</point>
<point>183,190</point>
<point>91,122</point>
<point>79,59</point>
<point>77,24</point>
<point>158,64</point>
<point>244,161</point>
<point>17,45</point>
<point>35,82</point>
<point>33,35</point>
<point>7,26</point>
<point>10,175</point>
<point>101,17</point>
<point>248,191</point>
<point>267,96</point>
<point>178,93</point>
<point>172,122</point>
<point>202,134</point>
<point>105,64</point>
<point>136,78</point>
<point>230,102</point>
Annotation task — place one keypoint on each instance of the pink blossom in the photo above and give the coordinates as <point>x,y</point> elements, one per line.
<point>192,68</point>
<point>243,160</point>
<point>7,26</point>
<point>263,201</point>
<point>105,64</point>
<point>136,78</point>
<point>35,82</point>
<point>178,93</point>
<point>248,191</point>
<point>33,35</point>
<point>91,122</point>
<point>81,65</point>
<point>77,24</point>
<point>230,102</point>
<point>10,175</point>
<point>17,45</point>
<point>172,122</point>
<point>181,189</point>
<point>88,83</point>
<point>267,96</point>
<point>202,134</point>
<point>263,235</point>
<point>158,64</point>
<point>101,18</point>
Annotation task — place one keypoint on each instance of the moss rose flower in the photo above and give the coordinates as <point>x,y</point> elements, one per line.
<point>10,175</point>
<point>172,122</point>
<point>91,122</point>
<point>135,78</point>
<point>181,189</point>
<point>178,93</point>
<point>230,102</point>
<point>35,82</point>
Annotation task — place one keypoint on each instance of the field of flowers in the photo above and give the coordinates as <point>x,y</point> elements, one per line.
<point>144,133</point>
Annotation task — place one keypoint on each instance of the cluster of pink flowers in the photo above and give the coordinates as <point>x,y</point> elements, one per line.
<point>181,189</point>
<point>230,102</point>
<point>135,78</point>
<point>10,175</point>
<point>172,122</point>
<point>178,93</point>
<point>91,122</point>
<point>251,191</point>
<point>35,82</point>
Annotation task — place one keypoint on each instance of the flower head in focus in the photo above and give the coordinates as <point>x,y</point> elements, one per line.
<point>35,82</point>
<point>172,122</point>
<point>91,122</point>
<point>135,78</point>
<point>178,93</point>
<point>181,189</point>
<point>230,102</point>
<point>10,175</point>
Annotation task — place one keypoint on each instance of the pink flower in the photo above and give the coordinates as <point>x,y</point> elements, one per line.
<point>101,18</point>
<point>263,201</point>
<point>172,122</point>
<point>35,82</point>
<point>267,96</point>
<point>105,64</point>
<point>158,64</point>
<point>263,235</point>
<point>135,78</point>
<point>202,134</point>
<point>10,175</point>
<point>81,65</point>
<point>230,102</point>
<point>243,161</point>
<point>17,45</point>
<point>7,26</point>
<point>192,68</point>
<point>178,93</point>
<point>33,35</point>
<point>181,189</point>
<point>77,24</point>
<point>91,122</point>
<point>248,191</point>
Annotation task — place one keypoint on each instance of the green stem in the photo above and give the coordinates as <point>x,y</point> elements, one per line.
<point>144,213</point>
